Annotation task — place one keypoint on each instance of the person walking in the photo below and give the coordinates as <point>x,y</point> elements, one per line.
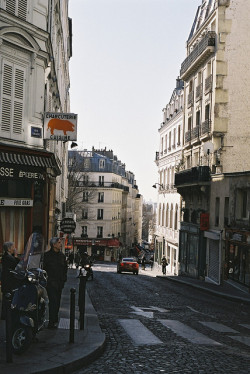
<point>55,265</point>
<point>164,264</point>
<point>8,282</point>
<point>143,262</point>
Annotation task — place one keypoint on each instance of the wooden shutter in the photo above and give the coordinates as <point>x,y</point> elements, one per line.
<point>12,106</point>
<point>17,7</point>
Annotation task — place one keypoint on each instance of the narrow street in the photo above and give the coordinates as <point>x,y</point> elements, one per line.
<point>155,326</point>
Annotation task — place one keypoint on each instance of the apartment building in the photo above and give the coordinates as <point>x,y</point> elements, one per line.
<point>106,201</point>
<point>169,160</point>
<point>214,233</point>
<point>35,48</point>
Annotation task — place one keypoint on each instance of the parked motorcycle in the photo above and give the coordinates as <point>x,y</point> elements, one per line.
<point>89,271</point>
<point>29,302</point>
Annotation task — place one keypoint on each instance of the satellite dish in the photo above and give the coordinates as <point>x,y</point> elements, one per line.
<point>208,148</point>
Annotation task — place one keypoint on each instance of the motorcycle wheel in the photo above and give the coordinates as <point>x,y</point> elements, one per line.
<point>21,339</point>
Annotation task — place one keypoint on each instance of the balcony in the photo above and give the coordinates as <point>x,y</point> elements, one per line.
<point>188,136</point>
<point>190,99</point>
<point>205,127</point>
<point>195,133</point>
<point>199,54</point>
<point>196,175</point>
<point>208,84</point>
<point>198,92</point>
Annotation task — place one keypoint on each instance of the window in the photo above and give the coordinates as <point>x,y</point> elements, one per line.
<point>99,213</point>
<point>85,196</point>
<point>169,141</point>
<point>179,135</point>
<point>198,118</point>
<point>207,112</point>
<point>101,164</point>
<point>84,213</point>
<point>241,204</point>
<point>176,217</point>
<point>99,231</point>
<point>101,180</point>
<point>100,197</point>
<point>167,212</point>
<point>217,211</point>
<point>166,143</point>
<point>85,180</point>
<point>163,215</point>
<point>171,217</point>
<point>174,138</point>
<point>226,211</point>
<point>12,101</point>
<point>84,232</point>
<point>17,7</point>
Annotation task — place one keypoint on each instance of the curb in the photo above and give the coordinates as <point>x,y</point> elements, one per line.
<point>212,292</point>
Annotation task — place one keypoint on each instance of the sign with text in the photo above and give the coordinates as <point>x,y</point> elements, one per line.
<point>24,203</point>
<point>20,172</point>
<point>67,225</point>
<point>60,126</point>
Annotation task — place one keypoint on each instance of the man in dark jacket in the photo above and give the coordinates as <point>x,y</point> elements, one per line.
<point>8,282</point>
<point>56,267</point>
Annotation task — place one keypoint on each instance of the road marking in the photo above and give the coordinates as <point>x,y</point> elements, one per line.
<point>138,332</point>
<point>141,312</point>
<point>242,339</point>
<point>218,327</point>
<point>245,325</point>
<point>187,332</point>
<point>161,310</point>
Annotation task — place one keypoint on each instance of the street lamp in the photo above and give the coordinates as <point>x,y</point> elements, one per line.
<point>160,184</point>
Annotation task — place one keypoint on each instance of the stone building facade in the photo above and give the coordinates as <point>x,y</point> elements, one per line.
<point>214,239</point>
<point>107,204</point>
<point>35,48</point>
<point>168,160</point>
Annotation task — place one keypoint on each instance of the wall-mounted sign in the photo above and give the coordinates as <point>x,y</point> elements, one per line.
<point>60,126</point>
<point>36,132</point>
<point>16,202</point>
<point>20,172</point>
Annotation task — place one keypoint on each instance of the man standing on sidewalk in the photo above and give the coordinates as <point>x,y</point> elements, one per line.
<point>56,267</point>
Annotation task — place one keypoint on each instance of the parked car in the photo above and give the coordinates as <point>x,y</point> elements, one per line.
<point>128,264</point>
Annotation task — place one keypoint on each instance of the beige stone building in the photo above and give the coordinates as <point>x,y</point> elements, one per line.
<point>214,238</point>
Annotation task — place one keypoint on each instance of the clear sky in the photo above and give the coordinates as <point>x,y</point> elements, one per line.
<point>126,58</point>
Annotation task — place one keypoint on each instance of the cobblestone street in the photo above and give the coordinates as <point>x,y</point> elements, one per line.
<point>154,326</point>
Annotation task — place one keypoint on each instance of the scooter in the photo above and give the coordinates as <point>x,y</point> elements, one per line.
<point>89,271</point>
<point>29,303</point>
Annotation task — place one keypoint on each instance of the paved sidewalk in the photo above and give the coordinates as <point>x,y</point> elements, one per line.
<point>228,289</point>
<point>52,352</point>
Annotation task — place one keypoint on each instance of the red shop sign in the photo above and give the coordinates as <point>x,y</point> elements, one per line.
<point>204,221</point>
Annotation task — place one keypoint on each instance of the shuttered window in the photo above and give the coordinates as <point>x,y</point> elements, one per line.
<point>18,8</point>
<point>12,105</point>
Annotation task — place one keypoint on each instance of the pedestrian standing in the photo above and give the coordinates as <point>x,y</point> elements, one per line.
<point>56,267</point>
<point>164,264</point>
<point>8,282</point>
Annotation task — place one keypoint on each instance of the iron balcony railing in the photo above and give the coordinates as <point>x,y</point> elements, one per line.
<point>190,99</point>
<point>187,136</point>
<point>207,41</point>
<point>208,83</point>
<point>195,133</point>
<point>206,127</point>
<point>198,95</point>
<point>192,176</point>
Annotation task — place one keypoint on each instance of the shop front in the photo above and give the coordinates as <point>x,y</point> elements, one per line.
<point>26,184</point>
<point>192,250</point>
<point>238,256</point>
<point>101,249</point>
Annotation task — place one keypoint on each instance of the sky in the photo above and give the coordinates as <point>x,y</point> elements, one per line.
<point>126,58</point>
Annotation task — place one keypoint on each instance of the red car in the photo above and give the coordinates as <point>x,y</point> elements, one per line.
<point>128,264</point>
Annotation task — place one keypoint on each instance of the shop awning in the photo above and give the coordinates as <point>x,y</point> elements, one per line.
<point>29,157</point>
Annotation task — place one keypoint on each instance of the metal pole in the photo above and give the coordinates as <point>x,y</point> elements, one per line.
<point>8,328</point>
<point>72,315</point>
<point>81,298</point>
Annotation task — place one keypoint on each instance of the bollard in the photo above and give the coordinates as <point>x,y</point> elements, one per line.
<point>81,298</point>
<point>8,328</point>
<point>72,315</point>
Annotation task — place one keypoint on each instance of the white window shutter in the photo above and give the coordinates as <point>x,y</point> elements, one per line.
<point>6,99</point>
<point>22,9</point>
<point>18,101</point>
<point>12,103</point>
<point>11,6</point>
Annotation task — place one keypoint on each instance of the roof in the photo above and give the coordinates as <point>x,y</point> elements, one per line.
<point>203,12</point>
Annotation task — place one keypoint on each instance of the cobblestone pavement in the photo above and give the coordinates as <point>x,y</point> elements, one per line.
<point>149,304</point>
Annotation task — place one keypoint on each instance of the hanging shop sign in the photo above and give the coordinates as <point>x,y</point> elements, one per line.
<point>60,126</point>
<point>67,225</point>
